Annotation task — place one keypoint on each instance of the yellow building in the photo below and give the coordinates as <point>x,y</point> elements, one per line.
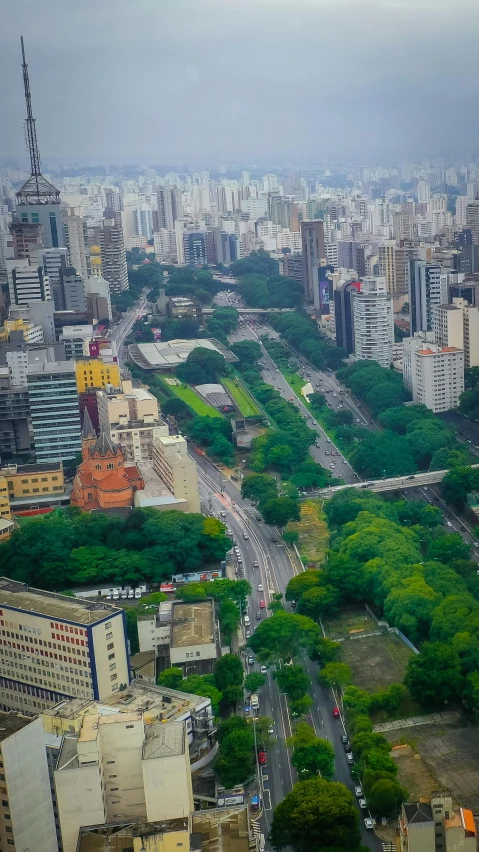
<point>95,373</point>
<point>95,261</point>
<point>32,480</point>
<point>31,333</point>
<point>6,523</point>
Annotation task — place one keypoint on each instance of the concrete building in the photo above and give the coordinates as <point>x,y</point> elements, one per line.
<point>27,482</point>
<point>122,766</point>
<point>14,417</point>
<point>177,470</point>
<point>472,220</point>
<point>164,836</point>
<point>48,216</point>
<point>373,322</point>
<point>458,325</point>
<point>198,248</point>
<point>27,241</point>
<point>434,374</point>
<point>71,291</point>
<point>96,373</point>
<point>427,290</point>
<point>54,410</point>
<point>312,237</point>
<point>75,231</point>
<point>436,827</point>
<point>98,301</point>
<point>6,524</point>
<point>29,284</point>
<point>170,208</point>
<point>130,417</point>
<point>343,298</point>
<point>26,812</point>
<point>291,266</point>
<point>113,255</point>
<point>393,265</point>
<point>183,635</point>
<point>54,647</point>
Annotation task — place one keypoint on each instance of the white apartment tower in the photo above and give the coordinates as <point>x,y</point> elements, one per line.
<point>434,374</point>
<point>113,255</point>
<point>29,284</point>
<point>373,322</point>
<point>458,325</point>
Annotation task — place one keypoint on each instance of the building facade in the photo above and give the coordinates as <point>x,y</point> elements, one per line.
<point>54,410</point>
<point>434,374</point>
<point>113,255</point>
<point>29,284</point>
<point>312,239</point>
<point>130,417</point>
<point>96,373</point>
<point>176,469</point>
<point>373,320</point>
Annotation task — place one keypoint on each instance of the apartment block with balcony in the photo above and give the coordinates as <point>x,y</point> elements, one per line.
<point>131,418</point>
<point>54,647</point>
<point>434,373</point>
<point>177,470</point>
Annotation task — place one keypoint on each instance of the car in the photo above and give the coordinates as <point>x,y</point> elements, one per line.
<point>251,661</point>
<point>274,540</point>
<point>349,758</point>
<point>262,604</point>
<point>449,523</point>
<point>271,729</point>
<point>358,420</point>
<point>245,536</point>
<point>291,398</point>
<point>255,564</point>
<point>260,588</point>
<point>262,757</point>
<point>328,440</point>
<point>264,670</point>
<point>332,465</point>
<point>326,453</point>
<point>363,804</point>
<point>369,823</point>
<point>347,746</point>
<point>411,477</point>
<point>223,514</point>
<point>248,634</point>
<point>293,604</point>
<point>358,791</point>
<point>344,738</point>
<point>258,616</point>
<point>336,713</point>
<point>463,529</point>
<point>131,593</point>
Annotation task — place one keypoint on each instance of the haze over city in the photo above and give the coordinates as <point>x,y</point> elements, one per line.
<point>262,80</point>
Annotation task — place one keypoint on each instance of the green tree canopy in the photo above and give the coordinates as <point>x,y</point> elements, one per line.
<point>282,636</point>
<point>201,367</point>
<point>292,680</point>
<point>172,678</point>
<point>229,676</point>
<point>434,676</point>
<point>254,681</point>
<point>259,487</point>
<point>280,510</point>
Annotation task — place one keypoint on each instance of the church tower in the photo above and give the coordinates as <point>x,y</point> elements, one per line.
<point>88,435</point>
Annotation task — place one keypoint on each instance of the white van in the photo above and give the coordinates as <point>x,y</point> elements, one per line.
<point>247,621</point>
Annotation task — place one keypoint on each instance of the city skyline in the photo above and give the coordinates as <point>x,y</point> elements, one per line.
<point>305,82</point>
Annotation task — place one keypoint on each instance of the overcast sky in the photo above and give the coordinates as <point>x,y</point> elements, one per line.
<point>172,81</point>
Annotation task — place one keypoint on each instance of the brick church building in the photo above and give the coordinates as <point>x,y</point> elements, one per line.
<point>102,481</point>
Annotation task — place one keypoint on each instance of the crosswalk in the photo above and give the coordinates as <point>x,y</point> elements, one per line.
<point>389,847</point>
<point>256,828</point>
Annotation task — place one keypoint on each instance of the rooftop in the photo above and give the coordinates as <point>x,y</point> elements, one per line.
<point>193,624</point>
<point>156,702</point>
<point>222,828</point>
<point>20,596</point>
<point>168,354</point>
<point>118,837</point>
<point>164,741</point>
<point>10,723</point>
<point>417,812</point>
<point>52,367</point>
<point>11,470</point>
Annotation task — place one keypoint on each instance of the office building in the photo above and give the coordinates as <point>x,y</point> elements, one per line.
<point>404,226</point>
<point>26,814</point>
<point>71,291</point>
<point>75,232</point>
<point>54,410</point>
<point>76,339</point>
<point>198,248</point>
<point>14,417</point>
<point>54,647</point>
<point>37,314</point>
<point>113,255</point>
<point>436,827</point>
<point>458,325</point>
<point>427,290</point>
<point>312,237</point>
<point>170,208</point>
<point>291,266</point>
<point>423,192</point>
<point>283,211</point>
<point>29,284</point>
<point>343,315</point>
<point>433,373</point>
<point>53,261</point>
<point>351,255</point>
<point>177,470</point>
<point>122,767</point>
<point>130,418</point>
<point>27,241</point>
<point>96,373</point>
<point>373,322</point>
<point>472,220</point>
<point>98,301</point>
<point>164,242</point>
<point>394,266</point>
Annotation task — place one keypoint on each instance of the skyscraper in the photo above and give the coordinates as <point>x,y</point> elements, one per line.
<point>427,290</point>
<point>38,201</point>
<point>75,241</point>
<point>373,322</point>
<point>170,208</point>
<point>343,315</point>
<point>29,284</point>
<point>312,239</point>
<point>113,255</point>
<point>54,409</point>
<point>472,220</point>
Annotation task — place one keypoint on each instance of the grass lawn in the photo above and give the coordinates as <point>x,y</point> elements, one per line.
<point>313,533</point>
<point>195,403</point>
<point>241,397</point>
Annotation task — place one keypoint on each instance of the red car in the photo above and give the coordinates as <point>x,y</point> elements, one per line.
<point>336,713</point>
<point>291,398</point>
<point>262,757</point>
<point>262,604</point>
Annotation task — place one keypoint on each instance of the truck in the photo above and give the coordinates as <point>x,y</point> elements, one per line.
<point>254,701</point>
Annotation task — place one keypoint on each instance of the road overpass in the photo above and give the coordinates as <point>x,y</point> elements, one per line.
<point>395,483</point>
<point>250,311</point>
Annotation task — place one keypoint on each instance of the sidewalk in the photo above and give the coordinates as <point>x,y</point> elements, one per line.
<point>447,717</point>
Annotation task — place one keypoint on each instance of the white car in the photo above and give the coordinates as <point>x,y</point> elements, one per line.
<point>264,670</point>
<point>137,593</point>
<point>369,823</point>
<point>363,804</point>
<point>260,588</point>
<point>358,792</point>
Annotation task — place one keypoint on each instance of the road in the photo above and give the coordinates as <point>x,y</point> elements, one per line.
<point>274,572</point>
<point>121,330</point>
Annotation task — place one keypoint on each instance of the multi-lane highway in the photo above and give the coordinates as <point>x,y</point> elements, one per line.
<point>275,569</point>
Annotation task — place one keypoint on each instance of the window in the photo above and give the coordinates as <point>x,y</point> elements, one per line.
<point>110,646</point>
<point>111,656</point>
<point>109,635</point>
<point>107,625</point>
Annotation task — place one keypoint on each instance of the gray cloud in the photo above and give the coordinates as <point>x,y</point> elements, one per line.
<point>218,80</point>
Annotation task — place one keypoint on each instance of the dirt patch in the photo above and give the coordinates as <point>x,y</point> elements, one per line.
<point>376,661</point>
<point>313,533</point>
<point>352,621</point>
<point>413,773</point>
<point>451,756</point>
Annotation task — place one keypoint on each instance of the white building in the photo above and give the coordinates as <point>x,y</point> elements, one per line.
<point>423,192</point>
<point>458,325</point>
<point>130,417</point>
<point>373,322</point>
<point>434,374</point>
<point>29,284</point>
<point>177,469</point>
<point>75,237</point>
<point>54,410</point>
<point>164,242</point>
<point>427,290</point>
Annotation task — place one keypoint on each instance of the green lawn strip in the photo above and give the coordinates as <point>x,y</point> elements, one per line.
<point>241,397</point>
<point>313,533</point>
<point>197,405</point>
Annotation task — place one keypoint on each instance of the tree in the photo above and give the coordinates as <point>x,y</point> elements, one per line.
<point>259,487</point>
<point>335,675</point>
<point>316,815</point>
<point>309,474</point>
<point>457,483</point>
<point>448,547</point>
<point>280,510</point>
<point>317,401</point>
<point>326,651</point>
<point>248,352</point>
<point>175,407</point>
<point>300,706</point>
<point>434,676</point>
<point>317,757</point>
<point>291,536</point>
<point>203,685</point>
<point>293,681</point>
<point>202,366</point>
<point>229,676</point>
<point>172,678</point>
<point>254,681</point>
<point>230,724</point>
<point>235,763</point>
<point>386,798</point>
<point>300,584</point>
<point>317,601</point>
<point>383,454</point>
<point>282,636</point>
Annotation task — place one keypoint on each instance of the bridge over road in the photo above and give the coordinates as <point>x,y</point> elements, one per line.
<point>396,483</point>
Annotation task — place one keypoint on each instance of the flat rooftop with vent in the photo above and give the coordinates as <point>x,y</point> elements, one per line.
<point>22,597</point>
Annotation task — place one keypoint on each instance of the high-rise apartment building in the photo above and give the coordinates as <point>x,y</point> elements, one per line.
<point>54,410</point>
<point>29,284</point>
<point>71,291</point>
<point>434,373</point>
<point>75,231</point>
<point>351,255</point>
<point>427,290</point>
<point>394,267</point>
<point>170,208</point>
<point>343,315</point>
<point>198,248</point>
<point>312,238</point>
<point>54,647</point>
<point>458,325</point>
<point>177,470</point>
<point>130,418</point>
<point>291,266</point>
<point>113,255</point>
<point>373,322</point>
<point>53,261</point>
<point>26,813</point>
<point>423,192</point>
<point>472,220</point>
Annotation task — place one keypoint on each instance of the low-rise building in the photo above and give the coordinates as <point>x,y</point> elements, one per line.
<point>183,635</point>
<point>434,374</point>
<point>436,827</point>
<point>164,836</point>
<point>33,483</point>
<point>96,373</point>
